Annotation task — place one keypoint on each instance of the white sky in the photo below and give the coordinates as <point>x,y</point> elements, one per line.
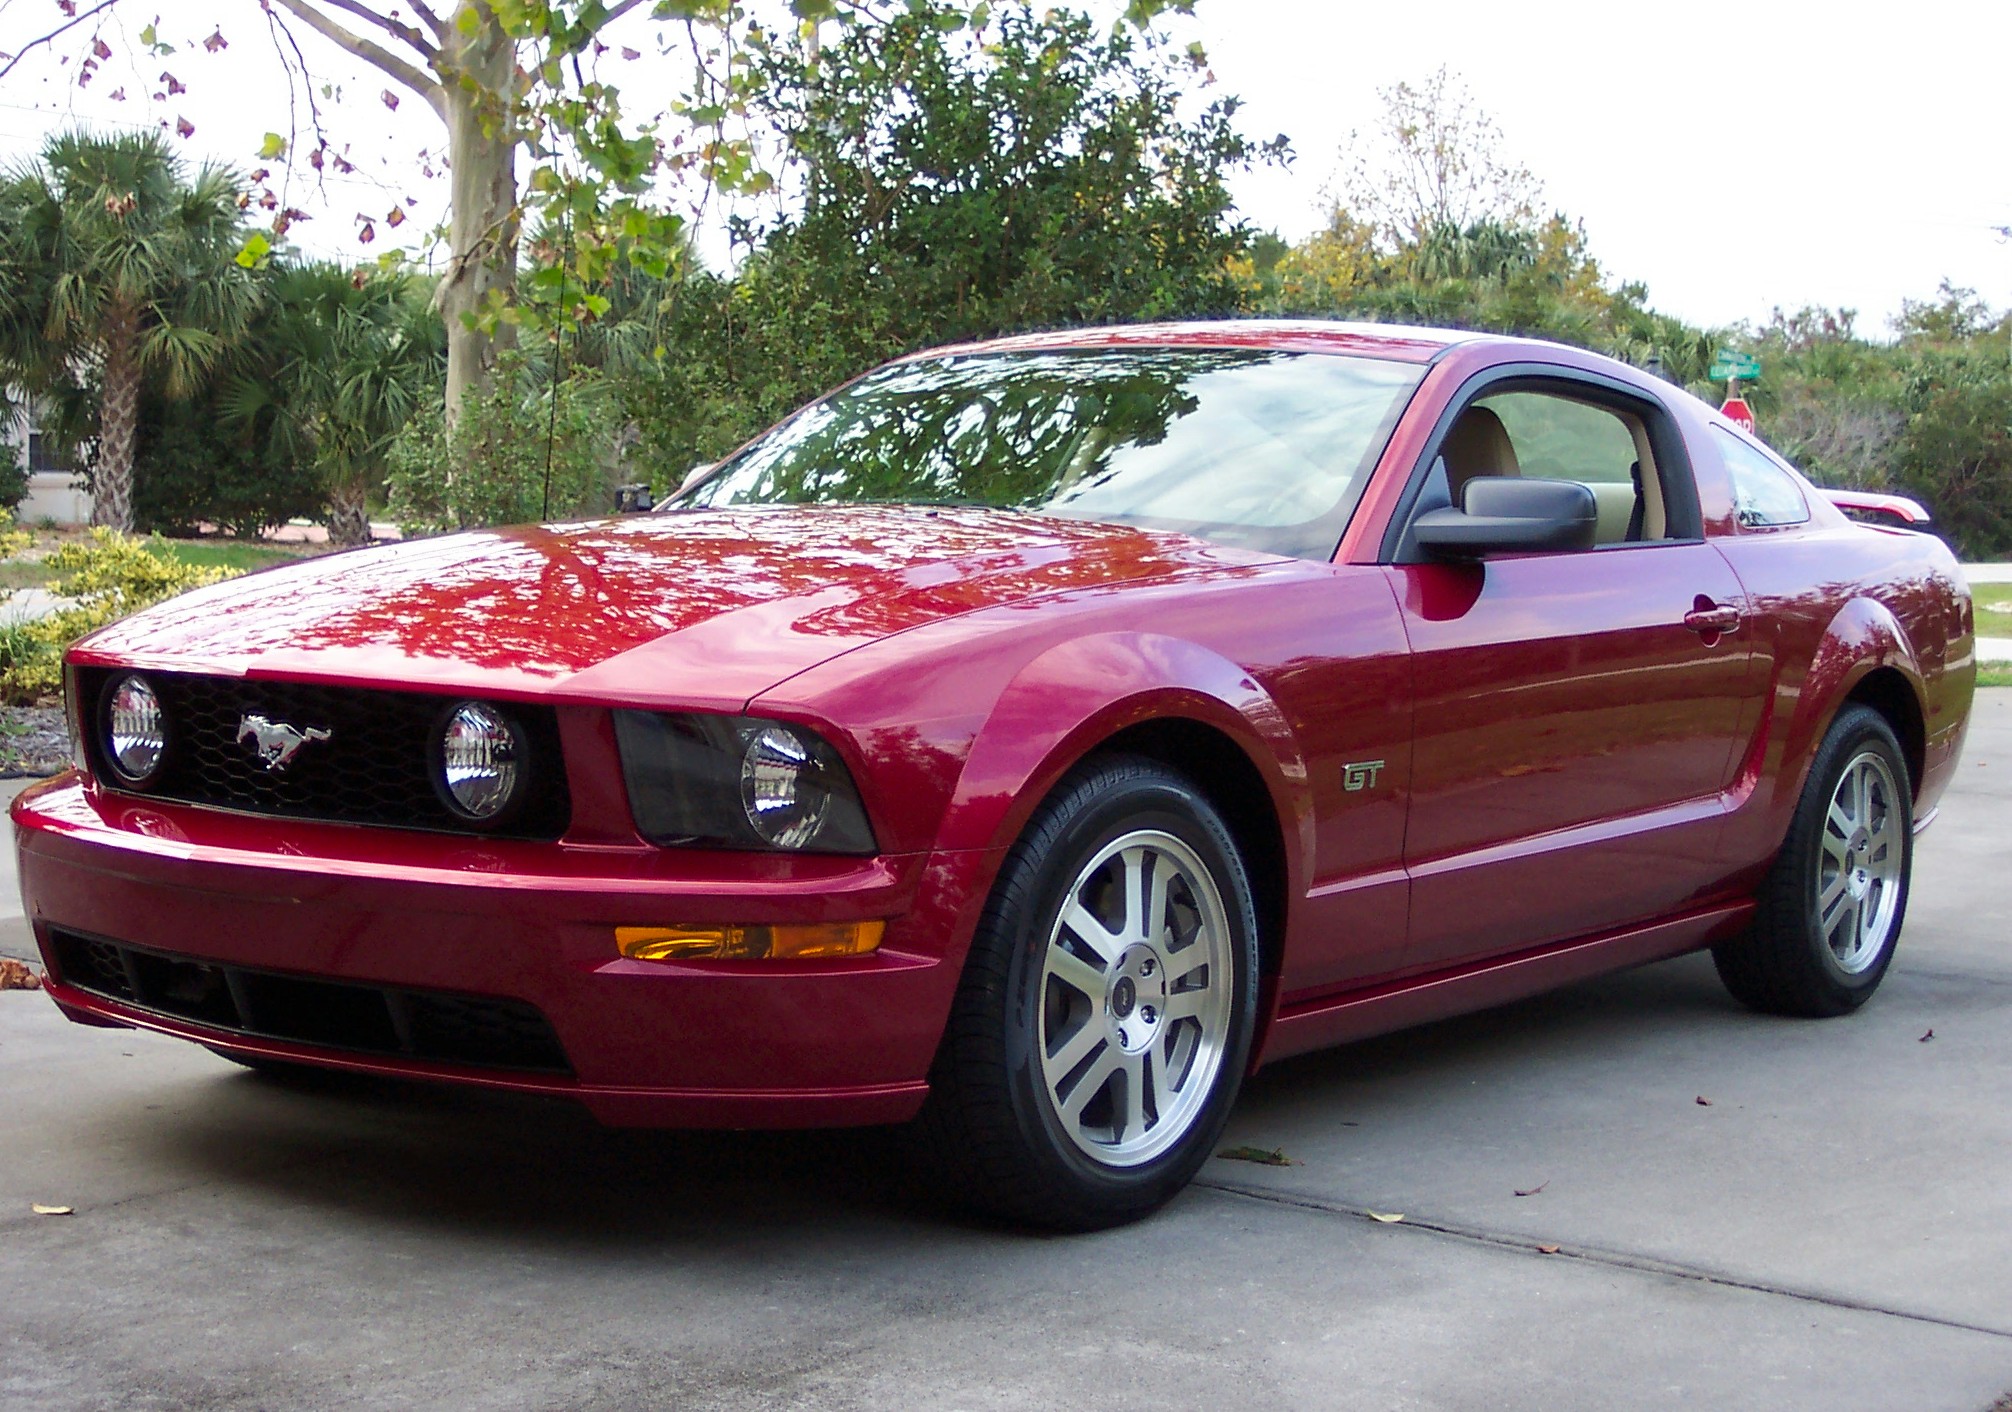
<point>1837,154</point>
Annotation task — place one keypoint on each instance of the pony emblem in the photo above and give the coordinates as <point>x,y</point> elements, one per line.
<point>276,741</point>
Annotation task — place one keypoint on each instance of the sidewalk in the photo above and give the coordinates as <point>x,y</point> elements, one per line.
<point>24,605</point>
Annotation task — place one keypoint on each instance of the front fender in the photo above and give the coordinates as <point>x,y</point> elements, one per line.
<point>1071,698</point>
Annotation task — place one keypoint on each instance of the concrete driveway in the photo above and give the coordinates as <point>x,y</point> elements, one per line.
<point>1832,1229</point>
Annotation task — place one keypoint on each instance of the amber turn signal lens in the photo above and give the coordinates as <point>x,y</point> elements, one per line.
<point>779,943</point>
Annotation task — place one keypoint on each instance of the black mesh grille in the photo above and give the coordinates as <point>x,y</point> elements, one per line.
<point>415,1024</point>
<point>375,767</point>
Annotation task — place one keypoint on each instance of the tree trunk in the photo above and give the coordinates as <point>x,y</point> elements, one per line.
<point>348,515</point>
<point>118,417</point>
<point>480,90</point>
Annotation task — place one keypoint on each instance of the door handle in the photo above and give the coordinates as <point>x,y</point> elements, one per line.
<point>1709,617</point>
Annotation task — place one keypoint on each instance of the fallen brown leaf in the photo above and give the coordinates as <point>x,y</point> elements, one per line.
<point>1547,1250</point>
<point>16,976</point>
<point>1274,1157</point>
<point>1925,1038</point>
<point>1704,1102</point>
<point>1535,1189</point>
<point>40,1210</point>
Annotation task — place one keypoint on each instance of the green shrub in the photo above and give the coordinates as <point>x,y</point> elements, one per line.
<point>13,484</point>
<point>192,469</point>
<point>13,539</point>
<point>109,575</point>
<point>510,458</point>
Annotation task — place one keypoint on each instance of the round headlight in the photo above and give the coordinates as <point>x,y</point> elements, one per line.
<point>136,737</point>
<point>784,801</point>
<point>481,761</point>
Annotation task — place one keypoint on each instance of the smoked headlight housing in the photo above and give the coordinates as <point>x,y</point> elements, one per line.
<point>738,782</point>
<point>135,732</point>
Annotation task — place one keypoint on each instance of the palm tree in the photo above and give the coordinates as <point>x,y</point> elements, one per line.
<point>120,270</point>
<point>340,363</point>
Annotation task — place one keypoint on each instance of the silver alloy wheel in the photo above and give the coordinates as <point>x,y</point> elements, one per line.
<point>1136,998</point>
<point>1858,871</point>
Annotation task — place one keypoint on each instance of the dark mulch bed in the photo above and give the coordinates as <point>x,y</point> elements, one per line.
<point>33,741</point>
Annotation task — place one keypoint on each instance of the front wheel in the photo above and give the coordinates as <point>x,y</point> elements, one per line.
<point>1830,910</point>
<point>1104,1020</point>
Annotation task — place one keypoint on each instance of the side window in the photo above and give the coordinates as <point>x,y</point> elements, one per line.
<point>1548,436</point>
<point>1763,493</point>
<point>1559,439</point>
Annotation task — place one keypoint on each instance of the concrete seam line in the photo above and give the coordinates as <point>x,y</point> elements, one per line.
<point>1594,1255</point>
<point>1955,977</point>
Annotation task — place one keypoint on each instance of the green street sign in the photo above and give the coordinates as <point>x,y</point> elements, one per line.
<point>1729,363</point>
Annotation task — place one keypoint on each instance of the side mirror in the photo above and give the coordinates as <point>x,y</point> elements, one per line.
<point>1511,515</point>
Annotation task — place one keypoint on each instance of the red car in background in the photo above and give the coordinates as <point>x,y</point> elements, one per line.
<point>1029,740</point>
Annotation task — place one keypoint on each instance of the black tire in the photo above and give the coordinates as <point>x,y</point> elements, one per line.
<point>1786,962</point>
<point>992,1128</point>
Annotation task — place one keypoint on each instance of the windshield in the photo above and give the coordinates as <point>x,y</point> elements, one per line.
<point>1259,449</point>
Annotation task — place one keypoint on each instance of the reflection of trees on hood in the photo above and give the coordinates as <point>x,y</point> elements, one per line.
<point>996,429</point>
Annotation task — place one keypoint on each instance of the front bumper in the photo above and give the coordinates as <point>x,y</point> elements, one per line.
<point>699,1043</point>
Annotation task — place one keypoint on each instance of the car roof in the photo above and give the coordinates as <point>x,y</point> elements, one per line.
<point>1398,342</point>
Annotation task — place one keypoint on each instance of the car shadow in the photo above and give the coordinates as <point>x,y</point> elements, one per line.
<point>1679,998</point>
<point>523,1167</point>
<point>535,1170</point>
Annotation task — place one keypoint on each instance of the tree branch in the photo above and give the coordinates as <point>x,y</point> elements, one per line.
<point>386,23</point>
<point>433,21</point>
<point>412,76</point>
<point>40,40</point>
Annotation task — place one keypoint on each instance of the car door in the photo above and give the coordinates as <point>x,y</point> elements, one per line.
<point>1574,712</point>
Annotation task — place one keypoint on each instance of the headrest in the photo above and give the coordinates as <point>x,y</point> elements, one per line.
<point>1478,445</point>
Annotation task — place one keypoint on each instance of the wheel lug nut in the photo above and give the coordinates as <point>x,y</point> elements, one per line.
<point>1146,967</point>
<point>1123,1038</point>
<point>1148,1014</point>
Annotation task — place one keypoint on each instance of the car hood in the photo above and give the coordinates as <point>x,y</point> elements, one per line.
<point>705,609</point>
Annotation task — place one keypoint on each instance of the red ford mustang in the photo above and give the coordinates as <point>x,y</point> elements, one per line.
<point>1030,739</point>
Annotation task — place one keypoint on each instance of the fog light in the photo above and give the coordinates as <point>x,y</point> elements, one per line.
<point>777,943</point>
<point>135,735</point>
<point>479,762</point>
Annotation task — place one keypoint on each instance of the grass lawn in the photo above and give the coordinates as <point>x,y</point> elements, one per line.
<point>241,555</point>
<point>227,553</point>
<point>1994,676</point>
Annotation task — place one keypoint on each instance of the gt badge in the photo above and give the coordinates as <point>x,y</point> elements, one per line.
<point>1360,775</point>
<point>275,741</point>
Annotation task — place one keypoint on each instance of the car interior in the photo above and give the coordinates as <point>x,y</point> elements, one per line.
<point>1548,436</point>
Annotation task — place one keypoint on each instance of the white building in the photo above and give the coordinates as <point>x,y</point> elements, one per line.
<point>55,491</point>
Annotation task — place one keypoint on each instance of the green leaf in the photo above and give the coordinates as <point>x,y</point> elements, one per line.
<point>255,251</point>
<point>273,148</point>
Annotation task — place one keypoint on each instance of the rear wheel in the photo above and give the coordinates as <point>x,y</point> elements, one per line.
<point>1831,909</point>
<point>1104,1020</point>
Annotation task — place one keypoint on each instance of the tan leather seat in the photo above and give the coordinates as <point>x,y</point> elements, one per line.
<point>1478,445</point>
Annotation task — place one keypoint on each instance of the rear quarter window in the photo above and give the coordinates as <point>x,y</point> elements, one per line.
<point>1764,493</point>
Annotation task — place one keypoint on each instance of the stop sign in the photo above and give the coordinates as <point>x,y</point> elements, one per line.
<point>1736,409</point>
